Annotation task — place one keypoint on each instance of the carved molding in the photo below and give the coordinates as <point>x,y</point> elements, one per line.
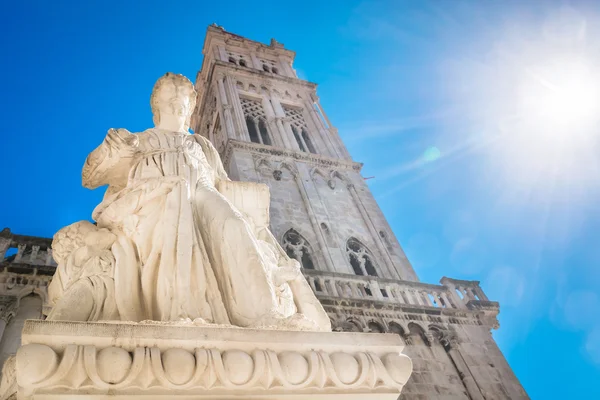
<point>203,369</point>
<point>200,362</point>
<point>309,158</point>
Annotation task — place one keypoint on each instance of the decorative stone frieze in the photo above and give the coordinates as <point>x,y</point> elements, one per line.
<point>198,362</point>
<point>309,158</point>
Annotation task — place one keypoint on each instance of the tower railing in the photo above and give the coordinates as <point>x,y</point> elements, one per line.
<point>451,294</point>
<point>26,254</point>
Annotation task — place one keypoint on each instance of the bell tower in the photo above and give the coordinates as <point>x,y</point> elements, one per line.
<point>269,127</point>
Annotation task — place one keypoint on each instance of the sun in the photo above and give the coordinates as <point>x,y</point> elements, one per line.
<point>560,93</point>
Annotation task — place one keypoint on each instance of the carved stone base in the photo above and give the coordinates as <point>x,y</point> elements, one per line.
<point>99,360</point>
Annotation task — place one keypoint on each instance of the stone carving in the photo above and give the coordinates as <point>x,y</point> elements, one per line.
<point>85,274</point>
<point>194,362</point>
<point>8,384</point>
<point>170,244</point>
<point>207,369</point>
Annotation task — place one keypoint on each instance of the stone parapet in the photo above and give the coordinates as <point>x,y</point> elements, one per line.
<point>158,360</point>
<point>406,293</point>
<point>33,254</point>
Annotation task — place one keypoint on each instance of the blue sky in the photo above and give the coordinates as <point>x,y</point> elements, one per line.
<point>439,99</point>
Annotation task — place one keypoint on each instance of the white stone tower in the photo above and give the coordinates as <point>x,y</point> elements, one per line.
<point>269,127</point>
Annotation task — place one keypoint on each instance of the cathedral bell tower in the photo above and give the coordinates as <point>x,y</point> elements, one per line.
<point>269,127</point>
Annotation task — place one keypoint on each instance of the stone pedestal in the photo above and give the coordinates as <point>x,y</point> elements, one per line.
<point>101,360</point>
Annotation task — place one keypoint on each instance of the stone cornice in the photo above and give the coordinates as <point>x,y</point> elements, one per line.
<point>309,158</point>
<point>377,305</point>
<point>226,68</point>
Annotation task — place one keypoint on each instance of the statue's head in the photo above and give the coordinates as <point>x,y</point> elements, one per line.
<point>173,94</point>
<point>70,238</point>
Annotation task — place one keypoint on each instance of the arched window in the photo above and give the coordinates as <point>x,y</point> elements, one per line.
<point>360,257</point>
<point>308,142</point>
<point>232,60</point>
<point>300,129</point>
<point>375,327</point>
<point>298,248</point>
<point>266,68</point>
<point>243,63</point>
<point>256,121</point>
<point>274,70</point>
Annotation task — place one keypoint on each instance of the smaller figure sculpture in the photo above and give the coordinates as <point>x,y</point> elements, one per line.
<point>83,286</point>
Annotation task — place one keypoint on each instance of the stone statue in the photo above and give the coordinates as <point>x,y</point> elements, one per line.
<point>169,244</point>
<point>85,274</point>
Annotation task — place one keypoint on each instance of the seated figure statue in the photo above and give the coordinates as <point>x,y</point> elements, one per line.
<point>181,242</point>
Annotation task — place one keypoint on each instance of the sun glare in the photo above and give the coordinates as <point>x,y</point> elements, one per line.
<point>560,94</point>
<point>532,97</point>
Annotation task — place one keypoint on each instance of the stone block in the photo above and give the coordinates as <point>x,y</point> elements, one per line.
<point>76,360</point>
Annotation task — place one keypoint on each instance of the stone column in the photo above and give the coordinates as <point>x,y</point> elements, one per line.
<point>480,294</point>
<point>324,133</point>
<point>458,302</point>
<point>228,123</point>
<point>332,290</point>
<point>447,302</point>
<point>284,126</point>
<point>239,122</point>
<point>375,289</point>
<point>272,122</point>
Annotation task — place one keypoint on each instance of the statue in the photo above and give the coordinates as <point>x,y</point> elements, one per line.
<point>175,238</point>
<point>85,274</point>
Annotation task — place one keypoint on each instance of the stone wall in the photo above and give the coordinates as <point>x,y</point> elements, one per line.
<point>326,205</point>
<point>30,307</point>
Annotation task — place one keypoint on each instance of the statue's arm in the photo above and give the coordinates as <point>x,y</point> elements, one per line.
<point>213,158</point>
<point>109,163</point>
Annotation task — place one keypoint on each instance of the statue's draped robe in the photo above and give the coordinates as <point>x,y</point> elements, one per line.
<point>182,249</point>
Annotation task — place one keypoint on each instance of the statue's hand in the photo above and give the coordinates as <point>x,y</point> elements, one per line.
<point>121,142</point>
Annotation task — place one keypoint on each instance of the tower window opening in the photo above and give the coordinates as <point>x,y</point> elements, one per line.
<point>266,68</point>
<point>308,142</point>
<point>298,248</point>
<point>232,60</point>
<point>318,287</point>
<point>297,137</point>
<point>300,129</point>
<point>360,258</point>
<point>256,121</point>
<point>356,265</point>
<point>274,70</point>
<point>243,63</point>
<point>252,131</point>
